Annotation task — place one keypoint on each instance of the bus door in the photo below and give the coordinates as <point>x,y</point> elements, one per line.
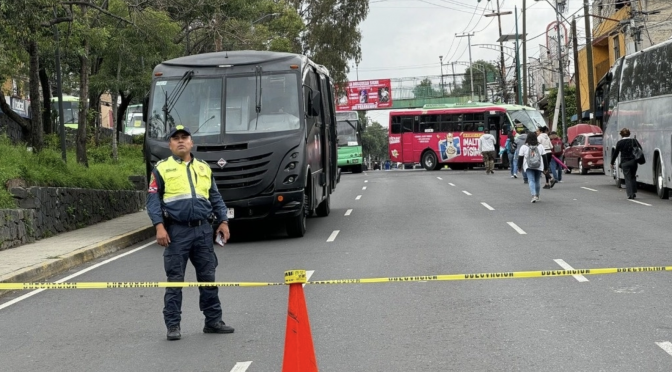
<point>496,124</point>
<point>407,139</point>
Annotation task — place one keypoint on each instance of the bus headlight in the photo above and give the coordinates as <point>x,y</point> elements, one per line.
<point>290,167</point>
<point>289,180</point>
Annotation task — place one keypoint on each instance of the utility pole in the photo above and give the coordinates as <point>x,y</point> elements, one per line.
<point>520,93</point>
<point>452,64</point>
<point>575,47</point>
<point>471,70</point>
<point>589,54</point>
<point>501,50</point>
<point>441,64</point>
<point>561,86</point>
<point>524,54</point>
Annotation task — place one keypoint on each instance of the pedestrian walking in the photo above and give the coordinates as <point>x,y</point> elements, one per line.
<point>181,198</point>
<point>624,148</point>
<point>558,147</point>
<point>545,141</point>
<point>486,146</point>
<point>519,142</point>
<point>530,160</point>
<point>510,151</point>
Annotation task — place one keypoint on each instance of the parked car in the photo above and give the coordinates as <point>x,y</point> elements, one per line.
<point>584,153</point>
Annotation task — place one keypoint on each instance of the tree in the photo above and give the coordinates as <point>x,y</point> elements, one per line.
<point>331,36</point>
<point>478,67</point>
<point>375,141</point>
<point>570,106</point>
<point>425,89</point>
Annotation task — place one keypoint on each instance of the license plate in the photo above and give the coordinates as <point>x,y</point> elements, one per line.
<point>355,161</point>
<point>229,213</point>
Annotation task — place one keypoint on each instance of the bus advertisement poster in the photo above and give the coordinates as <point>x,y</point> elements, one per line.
<point>365,95</point>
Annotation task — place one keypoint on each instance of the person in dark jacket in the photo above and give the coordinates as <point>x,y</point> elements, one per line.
<point>628,163</point>
<point>181,197</point>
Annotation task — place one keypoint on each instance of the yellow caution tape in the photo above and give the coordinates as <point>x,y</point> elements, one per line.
<point>299,276</point>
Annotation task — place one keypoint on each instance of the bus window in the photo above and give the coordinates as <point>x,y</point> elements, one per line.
<point>407,124</point>
<point>396,125</point>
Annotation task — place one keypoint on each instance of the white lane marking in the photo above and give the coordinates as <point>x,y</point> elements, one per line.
<point>440,178</point>
<point>30,294</point>
<point>309,273</point>
<point>638,202</point>
<point>515,227</point>
<point>665,345</point>
<point>364,188</point>
<point>487,206</point>
<point>466,192</point>
<point>358,197</point>
<point>589,189</point>
<point>241,366</point>
<point>451,184</point>
<point>347,213</point>
<point>333,235</point>
<point>566,266</point>
<point>365,181</point>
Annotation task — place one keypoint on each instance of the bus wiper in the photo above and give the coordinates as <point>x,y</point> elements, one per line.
<point>170,101</point>
<point>350,123</point>
<point>257,93</point>
<point>201,126</point>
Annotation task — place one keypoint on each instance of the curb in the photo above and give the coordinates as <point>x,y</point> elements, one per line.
<point>80,256</point>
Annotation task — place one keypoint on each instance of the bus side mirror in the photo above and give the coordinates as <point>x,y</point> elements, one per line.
<point>145,105</point>
<point>315,104</point>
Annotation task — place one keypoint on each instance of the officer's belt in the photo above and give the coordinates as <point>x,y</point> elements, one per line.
<point>193,223</point>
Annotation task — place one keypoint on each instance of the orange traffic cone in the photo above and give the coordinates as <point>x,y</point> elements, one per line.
<point>299,352</point>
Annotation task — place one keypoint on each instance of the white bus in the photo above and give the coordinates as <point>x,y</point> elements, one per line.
<point>636,94</point>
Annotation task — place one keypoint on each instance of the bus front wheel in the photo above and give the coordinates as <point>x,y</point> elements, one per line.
<point>662,191</point>
<point>429,160</point>
<point>296,226</point>
<point>357,168</point>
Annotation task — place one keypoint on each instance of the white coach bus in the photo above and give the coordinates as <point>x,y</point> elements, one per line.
<point>636,94</point>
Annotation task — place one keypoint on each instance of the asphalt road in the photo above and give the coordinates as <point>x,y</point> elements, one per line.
<point>393,223</point>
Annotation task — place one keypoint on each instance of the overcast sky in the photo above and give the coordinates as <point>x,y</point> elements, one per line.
<point>403,38</point>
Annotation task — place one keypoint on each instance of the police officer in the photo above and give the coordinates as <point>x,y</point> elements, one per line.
<point>182,196</point>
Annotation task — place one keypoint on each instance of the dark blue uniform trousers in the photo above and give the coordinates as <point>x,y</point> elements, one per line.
<point>195,244</point>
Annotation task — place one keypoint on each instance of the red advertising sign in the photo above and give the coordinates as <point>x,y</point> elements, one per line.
<point>365,95</point>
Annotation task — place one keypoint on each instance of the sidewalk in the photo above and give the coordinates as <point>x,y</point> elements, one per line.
<point>47,257</point>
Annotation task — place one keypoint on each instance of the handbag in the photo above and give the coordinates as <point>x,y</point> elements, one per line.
<point>637,153</point>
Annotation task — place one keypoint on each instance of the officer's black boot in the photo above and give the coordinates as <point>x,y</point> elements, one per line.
<point>174,333</point>
<point>218,327</point>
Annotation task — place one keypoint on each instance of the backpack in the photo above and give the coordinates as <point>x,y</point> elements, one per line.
<point>534,158</point>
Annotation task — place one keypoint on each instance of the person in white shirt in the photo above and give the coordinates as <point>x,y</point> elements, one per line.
<point>526,160</point>
<point>486,146</point>
<point>545,141</point>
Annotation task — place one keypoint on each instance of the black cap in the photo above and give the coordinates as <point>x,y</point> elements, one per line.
<point>179,128</point>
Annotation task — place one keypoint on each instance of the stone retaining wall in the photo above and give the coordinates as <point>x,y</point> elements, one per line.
<point>47,211</point>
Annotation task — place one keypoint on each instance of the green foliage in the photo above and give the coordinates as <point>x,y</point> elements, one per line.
<point>570,106</point>
<point>425,89</point>
<point>375,141</point>
<point>491,74</point>
<point>46,168</point>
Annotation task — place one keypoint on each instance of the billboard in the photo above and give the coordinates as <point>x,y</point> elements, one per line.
<point>365,95</point>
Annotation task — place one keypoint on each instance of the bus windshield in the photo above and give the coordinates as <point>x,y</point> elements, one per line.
<point>133,124</point>
<point>273,108</point>
<point>70,111</point>
<point>531,119</point>
<point>347,133</point>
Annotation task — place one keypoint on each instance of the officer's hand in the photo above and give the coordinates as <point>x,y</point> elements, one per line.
<point>162,235</point>
<point>224,230</point>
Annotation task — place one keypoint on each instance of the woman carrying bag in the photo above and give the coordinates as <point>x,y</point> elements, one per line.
<point>631,155</point>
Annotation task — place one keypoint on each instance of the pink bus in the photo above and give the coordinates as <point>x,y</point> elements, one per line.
<point>446,136</point>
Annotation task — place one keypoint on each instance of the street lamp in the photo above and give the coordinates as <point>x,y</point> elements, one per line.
<point>441,64</point>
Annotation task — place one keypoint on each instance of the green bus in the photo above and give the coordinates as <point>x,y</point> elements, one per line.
<point>349,141</point>
<point>70,111</point>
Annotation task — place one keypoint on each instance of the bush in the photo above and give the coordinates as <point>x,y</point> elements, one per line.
<point>47,169</point>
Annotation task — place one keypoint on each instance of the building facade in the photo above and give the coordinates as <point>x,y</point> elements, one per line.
<point>622,27</point>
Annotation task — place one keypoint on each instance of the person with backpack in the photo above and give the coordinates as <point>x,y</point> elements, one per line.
<point>557,148</point>
<point>625,147</point>
<point>530,160</point>
<point>521,137</point>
